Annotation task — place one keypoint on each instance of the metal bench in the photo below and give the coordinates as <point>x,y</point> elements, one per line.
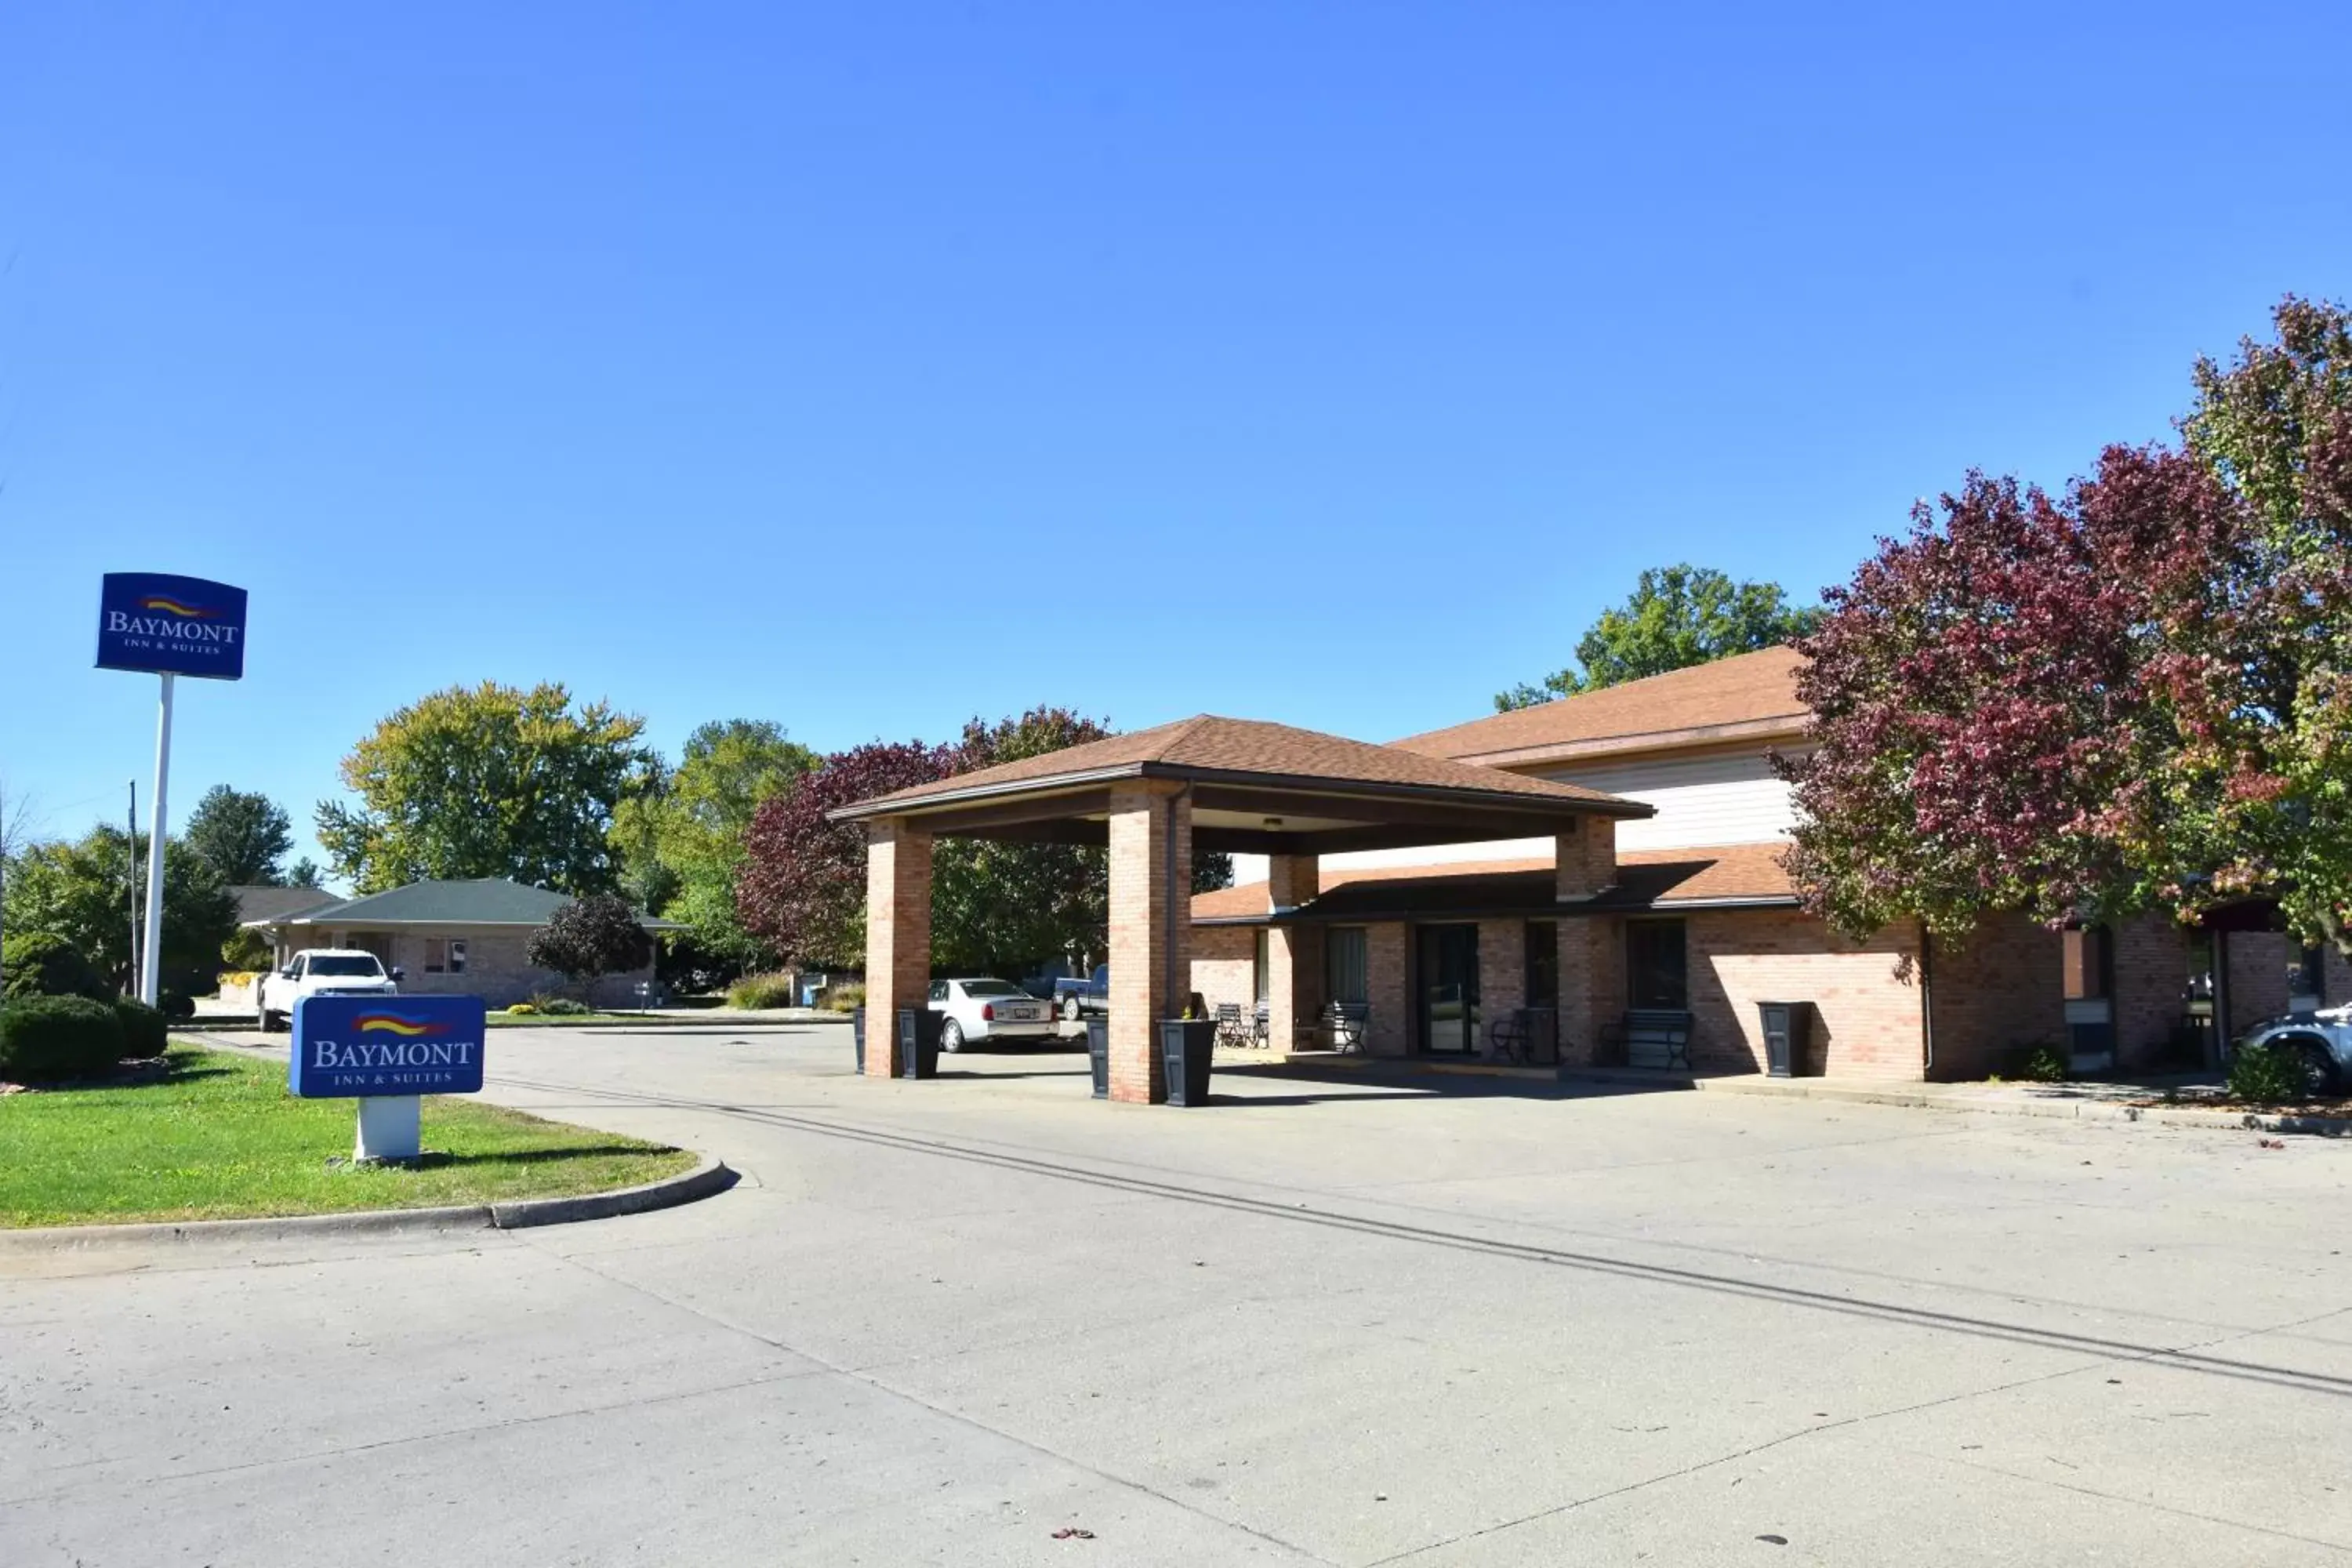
<point>1525,1037</point>
<point>1344,1024</point>
<point>1654,1037</point>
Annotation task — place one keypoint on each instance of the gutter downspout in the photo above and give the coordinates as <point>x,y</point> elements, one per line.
<point>1179,899</point>
<point>1927,1001</point>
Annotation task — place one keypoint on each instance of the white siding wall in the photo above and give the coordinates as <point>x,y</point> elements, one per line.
<point>1721,799</point>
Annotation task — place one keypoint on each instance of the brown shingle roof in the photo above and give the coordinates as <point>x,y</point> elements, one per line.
<point>1248,750</point>
<point>1748,689</point>
<point>1646,878</point>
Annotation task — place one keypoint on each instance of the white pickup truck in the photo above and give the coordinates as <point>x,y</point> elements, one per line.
<point>322,971</point>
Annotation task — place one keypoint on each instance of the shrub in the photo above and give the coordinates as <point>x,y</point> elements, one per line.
<point>2267,1075</point>
<point>2045,1066</point>
<point>41,963</point>
<point>843,998</point>
<point>45,1038</point>
<point>561,1008</point>
<point>522,1009</point>
<point>178,1005</point>
<point>145,1032</point>
<point>771,990</point>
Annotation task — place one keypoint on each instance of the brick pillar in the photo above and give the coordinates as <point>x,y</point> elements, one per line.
<point>1150,930</point>
<point>1294,980</point>
<point>1584,862</point>
<point>897,933</point>
<point>1386,967</point>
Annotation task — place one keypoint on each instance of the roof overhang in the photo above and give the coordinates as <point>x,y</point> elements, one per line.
<point>1245,811</point>
<point>1778,727</point>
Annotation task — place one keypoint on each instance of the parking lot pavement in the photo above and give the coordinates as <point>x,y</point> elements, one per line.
<point>1339,1321</point>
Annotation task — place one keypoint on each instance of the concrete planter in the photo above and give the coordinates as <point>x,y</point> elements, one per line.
<point>1185,1048</point>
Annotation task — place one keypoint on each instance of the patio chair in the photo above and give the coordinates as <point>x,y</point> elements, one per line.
<point>1233,1032</point>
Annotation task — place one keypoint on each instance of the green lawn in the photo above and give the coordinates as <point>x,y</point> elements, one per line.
<point>222,1139</point>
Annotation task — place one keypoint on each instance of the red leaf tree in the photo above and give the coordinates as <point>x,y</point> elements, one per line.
<point>1993,699</point>
<point>802,888</point>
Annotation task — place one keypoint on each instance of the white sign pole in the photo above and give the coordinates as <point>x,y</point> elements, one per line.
<point>150,968</point>
<point>391,1128</point>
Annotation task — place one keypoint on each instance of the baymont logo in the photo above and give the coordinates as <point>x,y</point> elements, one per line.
<point>403,1024</point>
<point>174,607</point>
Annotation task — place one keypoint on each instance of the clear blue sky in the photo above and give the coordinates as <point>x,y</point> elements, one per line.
<point>868,366</point>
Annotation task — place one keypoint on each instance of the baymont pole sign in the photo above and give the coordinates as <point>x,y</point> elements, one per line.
<point>167,626</point>
<point>171,625</point>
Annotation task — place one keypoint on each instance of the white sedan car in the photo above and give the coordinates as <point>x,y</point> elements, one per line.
<point>988,1010</point>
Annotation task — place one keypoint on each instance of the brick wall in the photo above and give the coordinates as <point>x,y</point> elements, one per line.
<point>2258,961</point>
<point>2337,972</point>
<point>2001,992</point>
<point>1224,964</point>
<point>2151,993</point>
<point>1865,996</point>
<point>496,969</point>
<point>1502,972</point>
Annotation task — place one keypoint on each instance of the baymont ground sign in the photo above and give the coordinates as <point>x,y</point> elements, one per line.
<point>352,1048</point>
<point>171,625</point>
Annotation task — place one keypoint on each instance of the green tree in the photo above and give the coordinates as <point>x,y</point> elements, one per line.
<point>487,781</point>
<point>244,833</point>
<point>81,891</point>
<point>1677,616</point>
<point>305,873</point>
<point>680,838</point>
<point>2259,796</point>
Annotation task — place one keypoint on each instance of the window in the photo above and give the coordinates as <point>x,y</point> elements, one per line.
<point>1658,965</point>
<point>1261,980</point>
<point>2084,955</point>
<point>1345,976</point>
<point>987,988</point>
<point>436,955</point>
<point>2306,982</point>
<point>456,955</point>
<point>354,964</point>
<point>1543,964</point>
<point>938,991</point>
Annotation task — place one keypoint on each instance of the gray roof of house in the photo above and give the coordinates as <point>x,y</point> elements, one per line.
<point>257,903</point>
<point>482,901</point>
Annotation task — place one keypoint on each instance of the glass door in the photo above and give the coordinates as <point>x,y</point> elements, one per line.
<point>1448,971</point>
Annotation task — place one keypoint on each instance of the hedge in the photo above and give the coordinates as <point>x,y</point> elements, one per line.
<point>45,1038</point>
<point>42,964</point>
<point>145,1032</point>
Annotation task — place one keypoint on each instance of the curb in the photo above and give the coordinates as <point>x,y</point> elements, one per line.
<point>2057,1110</point>
<point>707,1179</point>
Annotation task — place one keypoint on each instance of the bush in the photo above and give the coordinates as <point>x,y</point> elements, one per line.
<point>844,998</point>
<point>558,1006</point>
<point>522,1010</point>
<point>45,1038</point>
<point>41,963</point>
<point>145,1032</point>
<point>771,990</point>
<point>178,1005</point>
<point>251,948</point>
<point>2043,1064</point>
<point>2268,1075</point>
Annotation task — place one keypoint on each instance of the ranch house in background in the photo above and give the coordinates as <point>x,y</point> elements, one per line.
<point>458,938</point>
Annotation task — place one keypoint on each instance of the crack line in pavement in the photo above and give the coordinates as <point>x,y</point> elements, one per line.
<point>1376,1194</point>
<point>2150,1358</point>
<point>2184,1357</point>
<point>859,1375</point>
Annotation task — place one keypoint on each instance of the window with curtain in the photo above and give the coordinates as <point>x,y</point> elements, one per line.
<point>1657,964</point>
<point>2084,960</point>
<point>1344,965</point>
<point>1262,977</point>
<point>1543,964</point>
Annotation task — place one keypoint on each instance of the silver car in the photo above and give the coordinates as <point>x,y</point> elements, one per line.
<point>986,1009</point>
<point>2322,1041</point>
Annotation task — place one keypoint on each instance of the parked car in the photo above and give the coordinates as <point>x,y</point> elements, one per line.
<point>987,1009</point>
<point>1074,999</point>
<point>2321,1041</point>
<point>322,971</point>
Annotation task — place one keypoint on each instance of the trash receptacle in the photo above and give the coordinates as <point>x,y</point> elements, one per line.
<point>858,1034</point>
<point>1784,1036</point>
<point>1098,1054</point>
<point>919,1042</point>
<point>1185,1048</point>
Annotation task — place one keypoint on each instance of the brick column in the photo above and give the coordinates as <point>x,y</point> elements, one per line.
<point>1386,966</point>
<point>1584,862</point>
<point>1502,973</point>
<point>1150,930</point>
<point>1293,954</point>
<point>897,933</point>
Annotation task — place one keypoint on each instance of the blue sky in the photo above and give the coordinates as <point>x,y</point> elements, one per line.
<point>866,367</point>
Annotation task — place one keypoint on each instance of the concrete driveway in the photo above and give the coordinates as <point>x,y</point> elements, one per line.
<point>1322,1322</point>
